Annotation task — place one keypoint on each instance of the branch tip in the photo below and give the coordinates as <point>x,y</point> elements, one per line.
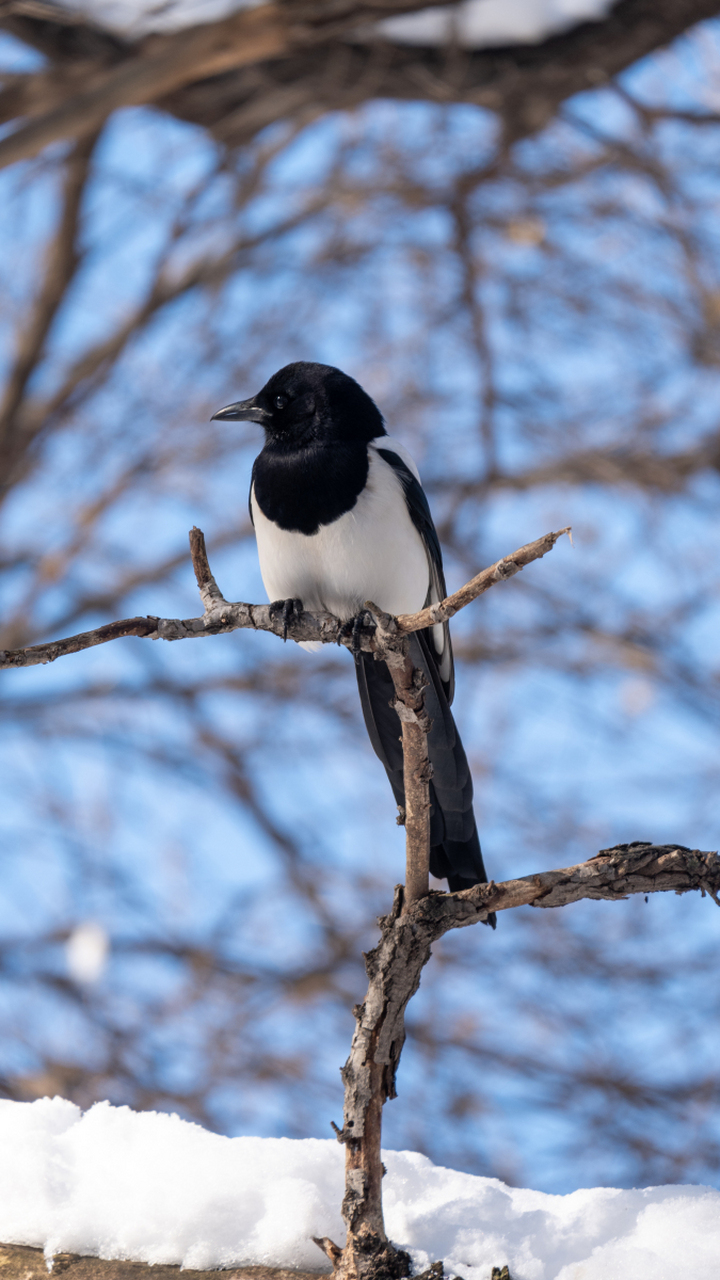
<point>328,1247</point>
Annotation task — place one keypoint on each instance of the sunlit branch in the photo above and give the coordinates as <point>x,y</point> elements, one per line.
<point>394,968</point>
<point>222,616</point>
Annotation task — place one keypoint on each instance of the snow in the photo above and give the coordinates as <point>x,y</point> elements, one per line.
<point>137,17</point>
<point>151,1187</point>
<point>478,23</point>
<point>474,23</point>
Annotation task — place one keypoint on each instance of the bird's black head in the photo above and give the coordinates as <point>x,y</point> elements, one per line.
<point>304,404</point>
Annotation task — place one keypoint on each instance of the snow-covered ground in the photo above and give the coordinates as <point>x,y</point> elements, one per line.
<point>474,22</point>
<point>140,1185</point>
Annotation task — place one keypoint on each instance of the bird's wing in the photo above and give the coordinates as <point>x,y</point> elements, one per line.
<point>417,504</point>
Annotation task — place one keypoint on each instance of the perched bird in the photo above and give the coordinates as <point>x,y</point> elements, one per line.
<point>340,517</point>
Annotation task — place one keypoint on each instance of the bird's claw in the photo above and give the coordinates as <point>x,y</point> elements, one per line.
<point>353,629</point>
<point>289,609</point>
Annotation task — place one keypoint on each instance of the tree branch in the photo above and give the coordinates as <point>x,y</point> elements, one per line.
<point>222,616</point>
<point>498,572</point>
<point>418,917</point>
<point>23,1262</point>
<point>611,874</point>
<point>62,261</point>
<point>260,65</point>
<point>165,63</point>
<point>394,968</point>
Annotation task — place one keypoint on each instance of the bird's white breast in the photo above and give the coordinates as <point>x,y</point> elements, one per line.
<point>373,552</point>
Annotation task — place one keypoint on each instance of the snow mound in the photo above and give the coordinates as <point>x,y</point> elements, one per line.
<point>151,1187</point>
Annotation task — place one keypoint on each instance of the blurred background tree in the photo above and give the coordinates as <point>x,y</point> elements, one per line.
<point>516,250</point>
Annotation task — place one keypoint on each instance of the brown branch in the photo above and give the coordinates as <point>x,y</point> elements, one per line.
<point>394,969</point>
<point>39,416</point>
<point>523,83</point>
<point>611,875</point>
<point>498,572</point>
<point>62,261</point>
<point>418,917</point>
<point>222,616</point>
<point>163,64</point>
<point>409,683</point>
<point>290,53</point>
<point>22,1262</point>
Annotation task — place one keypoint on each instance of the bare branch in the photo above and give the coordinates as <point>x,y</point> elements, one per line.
<point>221,616</point>
<point>20,1261</point>
<point>611,875</point>
<point>39,416</point>
<point>394,968</point>
<point>197,73</point>
<point>498,572</point>
<point>210,593</point>
<point>165,63</point>
<point>409,683</point>
<point>62,261</point>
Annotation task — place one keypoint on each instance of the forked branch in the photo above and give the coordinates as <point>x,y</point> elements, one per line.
<point>394,968</point>
<point>418,917</point>
<point>221,615</point>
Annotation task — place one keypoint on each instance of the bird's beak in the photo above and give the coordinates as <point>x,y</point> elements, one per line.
<point>244,411</point>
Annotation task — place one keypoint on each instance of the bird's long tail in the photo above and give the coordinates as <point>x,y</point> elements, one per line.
<point>455,852</point>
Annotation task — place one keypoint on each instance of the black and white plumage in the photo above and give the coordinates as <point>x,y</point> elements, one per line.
<point>340,517</point>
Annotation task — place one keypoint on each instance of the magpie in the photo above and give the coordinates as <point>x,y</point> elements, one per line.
<point>340,517</point>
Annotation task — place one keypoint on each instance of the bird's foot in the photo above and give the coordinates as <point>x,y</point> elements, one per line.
<point>289,609</point>
<point>353,630</point>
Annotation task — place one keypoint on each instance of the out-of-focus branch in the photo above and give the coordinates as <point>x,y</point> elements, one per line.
<point>165,63</point>
<point>62,261</point>
<point>22,1261</point>
<point>221,616</point>
<point>292,53</point>
<point>38,416</point>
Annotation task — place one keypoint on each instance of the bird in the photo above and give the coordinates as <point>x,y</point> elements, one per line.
<point>341,518</point>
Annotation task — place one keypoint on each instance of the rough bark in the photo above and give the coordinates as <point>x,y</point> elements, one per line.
<point>409,685</point>
<point>222,616</point>
<point>394,968</point>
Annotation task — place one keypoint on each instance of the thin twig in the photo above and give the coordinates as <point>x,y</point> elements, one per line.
<point>498,572</point>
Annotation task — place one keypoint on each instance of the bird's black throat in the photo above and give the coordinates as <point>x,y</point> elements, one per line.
<point>300,489</point>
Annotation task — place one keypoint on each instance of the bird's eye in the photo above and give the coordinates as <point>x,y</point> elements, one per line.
<point>280,402</point>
